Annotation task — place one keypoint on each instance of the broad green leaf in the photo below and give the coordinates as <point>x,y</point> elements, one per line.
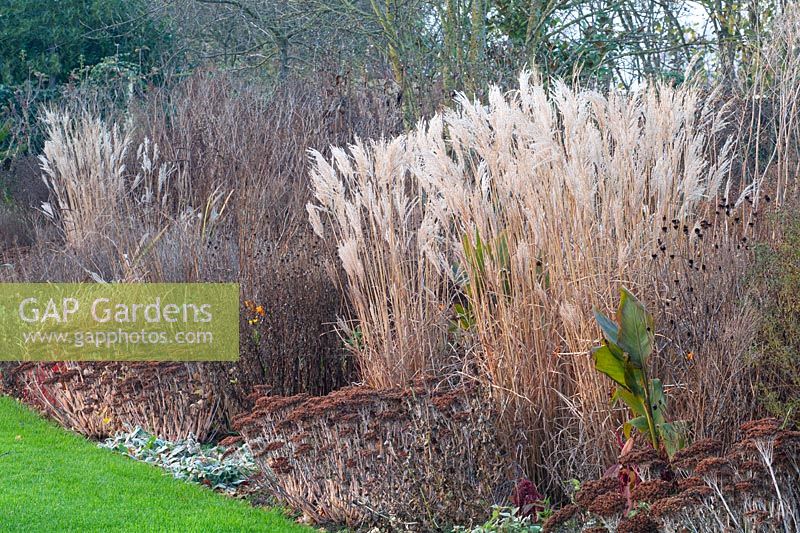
<point>464,316</point>
<point>673,435</point>
<point>616,350</point>
<point>640,423</point>
<point>635,378</point>
<point>503,258</point>
<point>636,329</point>
<point>609,328</point>
<point>473,253</point>
<point>606,362</point>
<point>635,403</point>
<point>658,401</point>
<point>657,391</point>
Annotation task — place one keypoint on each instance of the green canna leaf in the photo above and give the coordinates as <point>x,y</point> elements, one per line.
<point>640,423</point>
<point>658,401</point>
<point>673,436</point>
<point>609,364</point>
<point>607,326</point>
<point>634,402</point>
<point>623,358</point>
<point>635,329</point>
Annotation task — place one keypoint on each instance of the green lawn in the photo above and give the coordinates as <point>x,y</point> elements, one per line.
<point>53,480</point>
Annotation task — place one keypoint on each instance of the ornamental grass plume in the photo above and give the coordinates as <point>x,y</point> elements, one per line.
<point>529,210</point>
<point>378,216</point>
<point>84,167</point>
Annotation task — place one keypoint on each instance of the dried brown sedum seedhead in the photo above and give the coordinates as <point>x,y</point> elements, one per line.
<point>608,505</point>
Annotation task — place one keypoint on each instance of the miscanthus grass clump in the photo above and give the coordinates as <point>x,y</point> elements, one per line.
<point>480,242</point>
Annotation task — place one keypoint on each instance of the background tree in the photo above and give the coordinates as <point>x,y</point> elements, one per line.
<point>50,42</point>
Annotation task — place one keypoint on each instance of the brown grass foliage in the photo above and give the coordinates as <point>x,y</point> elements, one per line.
<point>116,214</point>
<point>295,347</point>
<point>221,130</point>
<point>206,181</point>
<point>14,229</point>
<point>476,245</point>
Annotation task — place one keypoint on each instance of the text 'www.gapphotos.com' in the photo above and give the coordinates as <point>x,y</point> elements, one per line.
<point>108,339</point>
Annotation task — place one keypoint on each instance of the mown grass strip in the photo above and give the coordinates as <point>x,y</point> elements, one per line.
<point>54,480</point>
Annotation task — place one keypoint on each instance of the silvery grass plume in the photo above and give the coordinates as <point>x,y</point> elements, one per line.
<point>533,207</point>
<point>84,166</point>
<point>129,213</point>
<point>374,208</point>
